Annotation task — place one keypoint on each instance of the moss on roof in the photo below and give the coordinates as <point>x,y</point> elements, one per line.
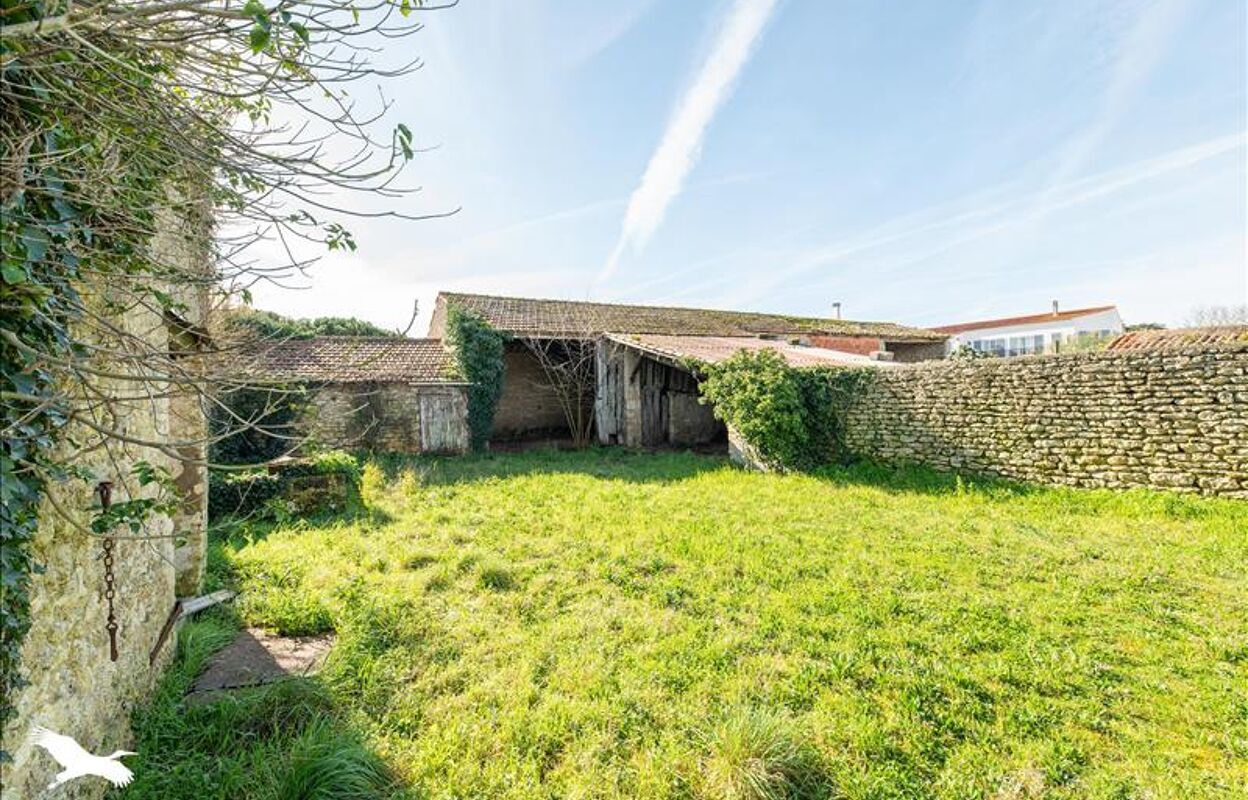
<point>523,316</point>
<point>356,359</point>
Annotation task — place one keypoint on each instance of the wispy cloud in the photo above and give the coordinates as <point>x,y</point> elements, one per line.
<point>919,237</point>
<point>1142,44</point>
<point>624,18</point>
<point>681,144</point>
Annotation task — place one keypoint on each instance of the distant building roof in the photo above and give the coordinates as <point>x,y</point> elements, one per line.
<point>714,349</point>
<point>1031,319</point>
<point>355,359</point>
<point>523,316</point>
<point>1181,339</point>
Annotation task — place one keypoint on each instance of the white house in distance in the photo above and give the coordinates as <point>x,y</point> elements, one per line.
<point>1036,333</point>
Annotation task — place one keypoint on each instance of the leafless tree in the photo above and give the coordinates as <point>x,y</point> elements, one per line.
<point>193,148</point>
<point>567,354</point>
<point>1207,316</point>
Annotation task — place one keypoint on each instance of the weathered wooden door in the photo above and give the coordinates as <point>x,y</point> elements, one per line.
<point>654,404</point>
<point>443,422</point>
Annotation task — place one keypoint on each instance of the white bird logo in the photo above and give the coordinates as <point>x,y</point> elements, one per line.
<point>78,762</point>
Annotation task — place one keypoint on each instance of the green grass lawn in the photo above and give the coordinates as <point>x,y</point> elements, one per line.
<point>607,624</point>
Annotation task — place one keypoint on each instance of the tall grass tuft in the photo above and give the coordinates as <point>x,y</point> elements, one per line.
<point>495,575</point>
<point>756,754</point>
<point>328,764</point>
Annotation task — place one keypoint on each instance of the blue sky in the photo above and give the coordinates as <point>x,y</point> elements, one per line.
<point>920,162</point>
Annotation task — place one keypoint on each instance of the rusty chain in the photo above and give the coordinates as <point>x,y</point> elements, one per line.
<point>104,490</point>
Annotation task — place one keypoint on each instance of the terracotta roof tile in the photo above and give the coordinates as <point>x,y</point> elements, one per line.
<point>1182,339</point>
<point>355,359</point>
<point>714,349</point>
<point>525,316</point>
<point>1027,320</point>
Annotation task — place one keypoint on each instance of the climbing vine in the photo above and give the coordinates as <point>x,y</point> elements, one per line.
<point>52,225</point>
<point>138,164</point>
<point>793,418</point>
<point>478,352</point>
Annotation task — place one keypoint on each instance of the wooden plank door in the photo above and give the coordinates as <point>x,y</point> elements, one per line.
<point>443,423</point>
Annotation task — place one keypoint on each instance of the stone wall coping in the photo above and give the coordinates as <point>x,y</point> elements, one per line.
<point>1092,356</point>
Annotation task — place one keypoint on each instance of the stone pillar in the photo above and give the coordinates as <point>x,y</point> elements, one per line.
<point>188,424</point>
<point>602,387</point>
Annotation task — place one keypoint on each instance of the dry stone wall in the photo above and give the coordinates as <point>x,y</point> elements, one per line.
<point>389,417</point>
<point>1170,420</point>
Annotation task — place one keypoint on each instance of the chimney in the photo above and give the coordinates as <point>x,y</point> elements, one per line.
<point>836,308</point>
<point>1055,308</point>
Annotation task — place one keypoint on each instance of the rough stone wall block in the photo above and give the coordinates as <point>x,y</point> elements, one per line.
<point>1172,421</point>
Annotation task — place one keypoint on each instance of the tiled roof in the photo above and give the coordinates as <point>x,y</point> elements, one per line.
<point>355,359</point>
<point>1181,339</point>
<point>714,349</point>
<point>522,316</point>
<point>1027,320</point>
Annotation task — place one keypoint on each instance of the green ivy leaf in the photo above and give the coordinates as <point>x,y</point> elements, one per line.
<point>13,273</point>
<point>259,39</point>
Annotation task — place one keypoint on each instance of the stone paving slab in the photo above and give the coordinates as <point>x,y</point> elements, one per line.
<point>256,657</point>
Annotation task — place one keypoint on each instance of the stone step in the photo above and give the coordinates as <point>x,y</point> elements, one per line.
<point>255,658</point>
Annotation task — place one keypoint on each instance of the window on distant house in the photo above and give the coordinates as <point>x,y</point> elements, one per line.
<point>995,347</point>
<point>1025,345</point>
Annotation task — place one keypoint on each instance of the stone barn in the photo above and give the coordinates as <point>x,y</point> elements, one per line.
<point>530,404</point>
<point>385,394</point>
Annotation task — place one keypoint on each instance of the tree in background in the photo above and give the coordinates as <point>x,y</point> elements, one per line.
<point>1085,343</point>
<point>569,363</point>
<point>1209,316</point>
<point>271,325</point>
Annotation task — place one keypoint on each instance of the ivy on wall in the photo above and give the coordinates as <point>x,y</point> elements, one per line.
<point>48,222</point>
<point>793,418</point>
<point>478,352</point>
<point>117,119</point>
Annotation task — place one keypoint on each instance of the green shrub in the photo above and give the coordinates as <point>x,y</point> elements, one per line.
<point>256,492</point>
<point>327,462</point>
<point>240,493</point>
<point>793,418</point>
<point>478,351</point>
<point>755,394</point>
<point>252,425</point>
